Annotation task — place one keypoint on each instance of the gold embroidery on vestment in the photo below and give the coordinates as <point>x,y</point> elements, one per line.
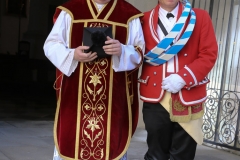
<point>89,108</point>
<point>94,93</point>
<point>95,79</point>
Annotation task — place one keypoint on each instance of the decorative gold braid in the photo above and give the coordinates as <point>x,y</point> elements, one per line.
<point>178,106</point>
<point>54,84</point>
<point>93,110</point>
<point>184,118</point>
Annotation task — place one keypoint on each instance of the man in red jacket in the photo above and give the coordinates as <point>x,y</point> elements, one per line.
<point>181,49</point>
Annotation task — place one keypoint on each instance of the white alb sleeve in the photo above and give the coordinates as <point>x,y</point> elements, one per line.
<point>56,46</point>
<point>130,58</point>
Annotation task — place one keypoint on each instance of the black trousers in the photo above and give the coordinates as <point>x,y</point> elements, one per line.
<point>166,139</point>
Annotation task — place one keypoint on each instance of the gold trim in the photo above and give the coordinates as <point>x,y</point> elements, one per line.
<point>114,31</point>
<point>134,17</point>
<point>109,113</point>
<point>100,20</point>
<point>95,8</point>
<point>66,10</point>
<point>56,118</point>
<point>55,123</point>
<point>84,25</point>
<point>79,111</point>
<point>185,118</point>
<point>55,83</point>
<point>180,119</point>
<point>129,119</point>
<point>55,129</point>
<point>129,20</point>
<point>99,12</point>
<point>72,20</point>
<point>91,9</point>
<point>111,10</point>
<point>78,121</point>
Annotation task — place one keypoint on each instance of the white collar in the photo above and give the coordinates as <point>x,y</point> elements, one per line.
<point>99,6</point>
<point>164,12</point>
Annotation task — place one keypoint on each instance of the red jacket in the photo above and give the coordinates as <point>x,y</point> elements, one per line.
<point>192,63</point>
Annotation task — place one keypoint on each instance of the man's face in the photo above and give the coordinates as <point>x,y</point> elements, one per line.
<point>168,5</point>
<point>102,1</point>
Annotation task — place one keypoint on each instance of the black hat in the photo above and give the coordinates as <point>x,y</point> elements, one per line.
<point>95,38</point>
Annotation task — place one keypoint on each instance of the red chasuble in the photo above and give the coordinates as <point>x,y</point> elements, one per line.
<point>97,109</point>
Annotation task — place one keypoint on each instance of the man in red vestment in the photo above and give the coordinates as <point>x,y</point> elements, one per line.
<point>173,84</point>
<point>97,100</point>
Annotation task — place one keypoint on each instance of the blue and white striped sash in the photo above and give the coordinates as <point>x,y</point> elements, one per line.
<point>162,52</point>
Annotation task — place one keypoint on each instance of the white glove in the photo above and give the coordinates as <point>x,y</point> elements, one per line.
<point>173,83</point>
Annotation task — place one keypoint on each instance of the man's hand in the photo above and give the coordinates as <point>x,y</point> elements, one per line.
<point>173,83</point>
<point>112,47</point>
<point>80,56</point>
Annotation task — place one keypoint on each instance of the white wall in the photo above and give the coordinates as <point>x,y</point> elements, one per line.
<point>143,5</point>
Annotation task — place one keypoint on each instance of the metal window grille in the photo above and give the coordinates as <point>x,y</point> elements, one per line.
<point>221,121</point>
